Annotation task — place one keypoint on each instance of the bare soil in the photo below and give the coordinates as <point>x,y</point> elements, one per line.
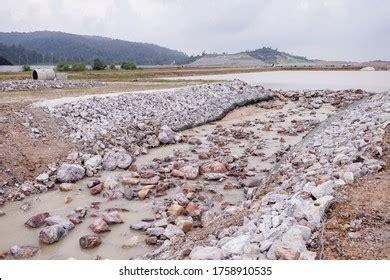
<point>358,225</point>
<point>22,156</point>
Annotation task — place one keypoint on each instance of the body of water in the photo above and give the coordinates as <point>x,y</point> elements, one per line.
<point>377,81</point>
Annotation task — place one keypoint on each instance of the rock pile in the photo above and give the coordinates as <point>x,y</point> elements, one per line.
<point>140,120</point>
<point>18,85</point>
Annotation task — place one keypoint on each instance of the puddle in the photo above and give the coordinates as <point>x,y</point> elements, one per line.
<point>121,242</point>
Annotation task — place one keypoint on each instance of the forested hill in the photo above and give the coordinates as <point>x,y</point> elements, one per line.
<point>19,55</point>
<point>59,46</point>
<point>273,56</point>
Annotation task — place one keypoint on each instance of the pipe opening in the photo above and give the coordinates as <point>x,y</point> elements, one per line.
<point>35,75</point>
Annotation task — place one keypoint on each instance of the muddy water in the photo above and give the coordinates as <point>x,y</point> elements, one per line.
<point>121,242</point>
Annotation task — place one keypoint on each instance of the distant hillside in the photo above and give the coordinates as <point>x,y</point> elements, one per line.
<point>227,60</point>
<point>59,46</point>
<point>273,56</point>
<point>259,57</point>
<point>4,61</point>
<point>18,55</point>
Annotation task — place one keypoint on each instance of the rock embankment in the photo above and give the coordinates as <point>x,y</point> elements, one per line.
<point>287,219</point>
<point>141,120</point>
<point>19,85</point>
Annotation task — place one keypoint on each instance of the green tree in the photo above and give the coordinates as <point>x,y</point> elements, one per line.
<point>26,68</point>
<point>129,65</point>
<point>112,66</point>
<point>78,67</point>
<point>98,64</point>
<point>62,67</point>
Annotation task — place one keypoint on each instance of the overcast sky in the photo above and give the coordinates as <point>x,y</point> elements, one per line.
<point>356,30</point>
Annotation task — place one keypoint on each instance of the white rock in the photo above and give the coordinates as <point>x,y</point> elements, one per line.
<point>206,253</point>
<point>236,245</point>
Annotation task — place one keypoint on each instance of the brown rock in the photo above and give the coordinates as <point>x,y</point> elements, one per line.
<point>142,194</point>
<point>37,220</point>
<point>99,226</point>
<point>130,181</point>
<point>151,240</point>
<point>3,254</point>
<point>283,253</point>
<point>176,210</point>
<point>68,199</point>
<point>185,223</point>
<point>213,167</point>
<point>67,187</point>
<point>90,241</point>
<point>96,189</point>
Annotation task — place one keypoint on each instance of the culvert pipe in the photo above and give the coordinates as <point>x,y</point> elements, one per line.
<point>43,74</point>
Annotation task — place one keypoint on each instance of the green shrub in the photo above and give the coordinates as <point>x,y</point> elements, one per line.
<point>98,64</point>
<point>129,65</point>
<point>112,66</point>
<point>62,67</point>
<point>26,68</point>
<point>79,67</point>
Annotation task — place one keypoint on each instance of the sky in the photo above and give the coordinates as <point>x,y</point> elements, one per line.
<point>351,30</point>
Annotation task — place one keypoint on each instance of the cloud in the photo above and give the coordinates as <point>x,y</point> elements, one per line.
<point>326,29</point>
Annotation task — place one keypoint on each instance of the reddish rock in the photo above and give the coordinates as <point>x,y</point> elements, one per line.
<point>23,252</point>
<point>203,156</point>
<point>3,254</point>
<point>142,194</point>
<point>90,241</point>
<point>37,220</point>
<point>99,226</point>
<point>147,174</point>
<point>192,209</point>
<point>151,240</point>
<point>96,189</point>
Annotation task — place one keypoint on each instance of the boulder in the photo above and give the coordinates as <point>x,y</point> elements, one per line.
<point>206,253</point>
<point>166,135</point>
<point>112,217</point>
<point>323,189</point>
<point>44,177</point>
<point>37,220</point>
<point>113,160</point>
<point>155,231</point>
<point>235,245</point>
<point>58,220</point>
<point>93,163</point>
<point>97,189</point>
<point>176,210</point>
<point>90,241</point>
<point>190,172</point>
<point>23,252</point>
<point>172,230</point>
<point>130,181</point>
<point>67,187</point>
<point>213,167</point>
<point>185,223</point>
<point>99,226</point>
<point>52,234</point>
<point>70,173</point>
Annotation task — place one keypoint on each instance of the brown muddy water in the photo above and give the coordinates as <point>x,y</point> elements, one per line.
<point>122,242</point>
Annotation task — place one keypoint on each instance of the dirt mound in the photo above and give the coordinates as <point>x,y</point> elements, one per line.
<point>29,141</point>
